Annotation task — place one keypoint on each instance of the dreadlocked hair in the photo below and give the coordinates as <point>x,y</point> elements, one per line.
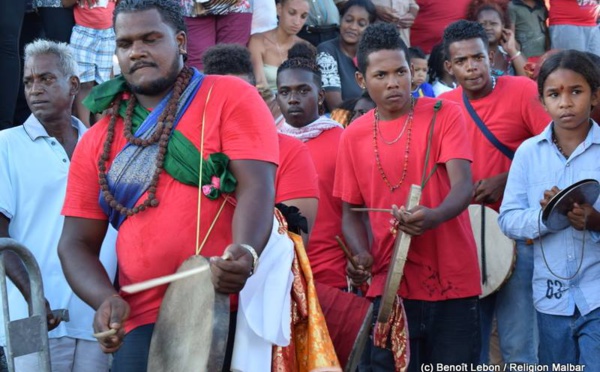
<point>302,56</point>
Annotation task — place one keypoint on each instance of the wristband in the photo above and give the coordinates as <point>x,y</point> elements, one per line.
<point>254,257</point>
<point>515,56</point>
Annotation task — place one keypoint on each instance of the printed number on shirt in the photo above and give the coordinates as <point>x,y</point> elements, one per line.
<point>555,289</point>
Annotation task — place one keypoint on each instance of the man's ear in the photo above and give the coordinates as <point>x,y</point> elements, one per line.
<point>491,55</point>
<point>74,85</point>
<point>182,42</point>
<point>448,67</point>
<point>360,80</point>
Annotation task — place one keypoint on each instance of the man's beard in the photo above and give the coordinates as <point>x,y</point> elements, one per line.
<point>160,85</point>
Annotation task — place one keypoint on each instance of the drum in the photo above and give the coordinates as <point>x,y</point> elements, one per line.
<point>348,319</point>
<point>497,254</point>
<point>192,327</point>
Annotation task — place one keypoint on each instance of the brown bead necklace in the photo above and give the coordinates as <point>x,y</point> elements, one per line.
<point>161,135</point>
<point>408,126</point>
<point>560,149</point>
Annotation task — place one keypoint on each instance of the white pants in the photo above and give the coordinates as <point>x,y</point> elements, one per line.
<point>67,355</point>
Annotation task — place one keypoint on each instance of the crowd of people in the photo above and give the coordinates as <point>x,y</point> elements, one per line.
<point>256,133</point>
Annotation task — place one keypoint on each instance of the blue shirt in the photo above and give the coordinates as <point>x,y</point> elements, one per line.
<point>536,167</point>
<point>423,90</point>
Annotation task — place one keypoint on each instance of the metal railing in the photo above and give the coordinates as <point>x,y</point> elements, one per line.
<point>28,335</point>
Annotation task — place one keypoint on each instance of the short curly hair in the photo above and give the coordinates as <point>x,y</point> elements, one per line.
<point>228,59</point>
<point>378,36</point>
<point>463,30</point>
<point>169,10</point>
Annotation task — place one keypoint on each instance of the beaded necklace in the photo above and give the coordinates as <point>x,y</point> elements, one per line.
<point>409,118</point>
<point>408,123</point>
<point>560,149</point>
<point>161,135</point>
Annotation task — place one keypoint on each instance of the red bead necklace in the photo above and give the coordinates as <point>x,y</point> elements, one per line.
<point>407,125</point>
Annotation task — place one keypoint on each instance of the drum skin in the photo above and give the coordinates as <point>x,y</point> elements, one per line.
<point>500,251</point>
<point>192,327</point>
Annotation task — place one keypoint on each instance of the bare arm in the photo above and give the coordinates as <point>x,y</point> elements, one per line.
<point>79,250</point>
<point>491,189</point>
<point>255,46</point>
<point>510,45</point>
<point>252,223</point>
<point>15,269</point>
<point>308,208</point>
<point>355,234</point>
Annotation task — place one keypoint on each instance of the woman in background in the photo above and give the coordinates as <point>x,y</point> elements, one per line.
<point>269,49</point>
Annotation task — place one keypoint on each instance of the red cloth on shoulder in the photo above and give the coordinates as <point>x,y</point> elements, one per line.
<point>155,242</point>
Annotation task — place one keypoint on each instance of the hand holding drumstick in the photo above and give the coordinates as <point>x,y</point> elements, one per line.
<point>109,323</point>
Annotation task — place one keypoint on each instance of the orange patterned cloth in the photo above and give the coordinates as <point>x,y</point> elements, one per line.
<point>310,349</point>
<point>396,330</point>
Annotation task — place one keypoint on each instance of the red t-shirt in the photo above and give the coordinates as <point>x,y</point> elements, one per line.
<point>573,12</point>
<point>296,175</point>
<point>327,259</point>
<point>442,263</point>
<point>512,112</point>
<point>155,242</point>
<point>433,18</point>
<point>98,18</point>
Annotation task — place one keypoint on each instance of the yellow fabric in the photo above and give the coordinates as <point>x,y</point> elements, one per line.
<point>311,348</point>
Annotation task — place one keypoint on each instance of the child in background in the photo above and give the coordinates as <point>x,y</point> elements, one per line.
<point>565,278</point>
<point>93,45</point>
<point>418,62</point>
<point>441,81</point>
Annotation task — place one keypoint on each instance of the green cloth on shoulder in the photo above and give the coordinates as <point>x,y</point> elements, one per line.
<point>182,160</point>
<point>102,96</point>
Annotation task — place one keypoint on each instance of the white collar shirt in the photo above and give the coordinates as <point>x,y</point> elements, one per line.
<point>33,179</point>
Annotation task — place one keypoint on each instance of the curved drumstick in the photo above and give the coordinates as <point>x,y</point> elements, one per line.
<point>142,286</point>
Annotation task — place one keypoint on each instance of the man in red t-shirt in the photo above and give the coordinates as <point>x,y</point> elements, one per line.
<point>381,154</point>
<point>510,109</point>
<point>299,95</point>
<point>296,181</point>
<point>145,185</point>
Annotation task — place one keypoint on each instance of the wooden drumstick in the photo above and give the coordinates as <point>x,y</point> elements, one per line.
<point>110,332</point>
<point>371,210</point>
<point>405,212</point>
<point>142,286</point>
<point>347,252</point>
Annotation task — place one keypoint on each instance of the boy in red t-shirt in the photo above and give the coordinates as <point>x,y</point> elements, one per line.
<point>93,45</point>
<point>381,154</point>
